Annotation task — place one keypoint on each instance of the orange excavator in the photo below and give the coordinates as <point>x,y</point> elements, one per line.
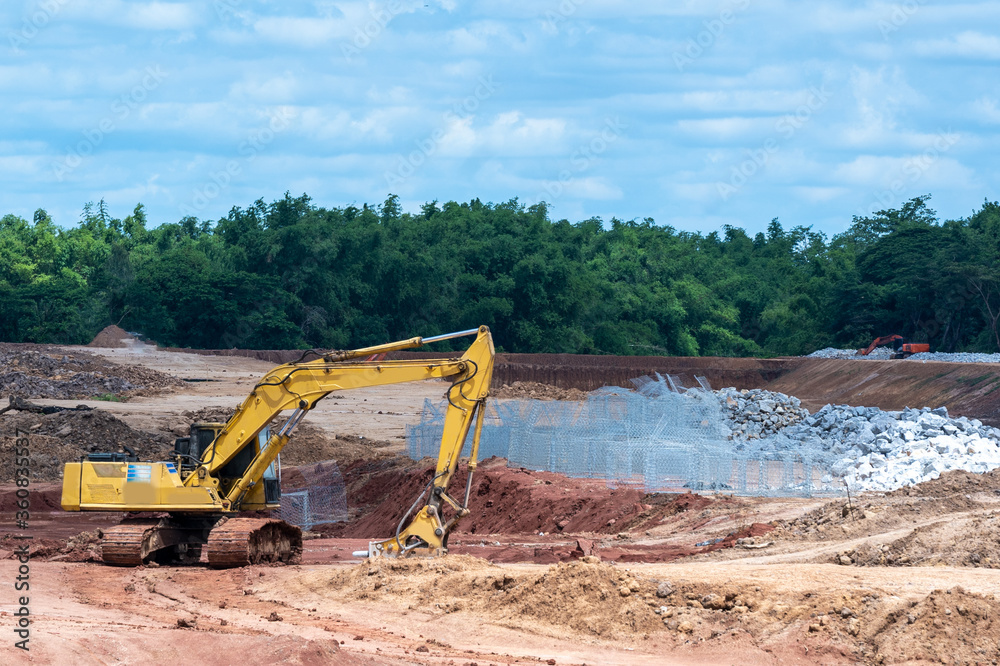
<point>901,346</point>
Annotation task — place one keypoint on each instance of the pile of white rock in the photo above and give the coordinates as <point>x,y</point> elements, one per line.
<point>885,353</point>
<point>896,449</point>
<point>877,354</point>
<point>756,413</point>
<point>957,357</point>
<point>868,448</point>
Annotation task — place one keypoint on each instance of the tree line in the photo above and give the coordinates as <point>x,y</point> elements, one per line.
<point>289,274</point>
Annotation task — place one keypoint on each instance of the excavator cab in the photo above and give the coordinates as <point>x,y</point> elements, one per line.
<point>190,451</point>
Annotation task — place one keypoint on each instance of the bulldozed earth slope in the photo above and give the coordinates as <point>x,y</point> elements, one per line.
<point>966,389</point>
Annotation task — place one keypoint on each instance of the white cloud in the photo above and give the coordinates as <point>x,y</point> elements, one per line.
<point>129,196</point>
<point>762,100</point>
<point>987,110</point>
<point>867,169</point>
<point>161,16</point>
<point>879,96</point>
<point>734,128</point>
<point>930,168</point>
<point>508,134</point>
<point>296,31</point>
<point>967,44</point>
<point>593,187</point>
<point>276,89</point>
<point>394,95</point>
<point>820,194</point>
<point>17,166</point>
<point>741,100</point>
<point>589,187</point>
<point>137,15</point>
<point>700,192</point>
<point>332,126</point>
<point>483,37</point>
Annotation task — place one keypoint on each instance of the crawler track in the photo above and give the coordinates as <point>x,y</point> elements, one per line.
<point>127,544</point>
<point>238,542</point>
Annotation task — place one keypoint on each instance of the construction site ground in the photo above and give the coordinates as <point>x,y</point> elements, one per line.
<point>545,569</point>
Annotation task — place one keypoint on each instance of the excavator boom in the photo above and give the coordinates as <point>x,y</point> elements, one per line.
<point>884,340</point>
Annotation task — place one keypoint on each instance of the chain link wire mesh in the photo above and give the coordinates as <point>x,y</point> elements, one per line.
<point>323,498</point>
<point>661,437</point>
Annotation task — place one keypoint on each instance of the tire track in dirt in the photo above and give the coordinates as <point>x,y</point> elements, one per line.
<point>817,553</point>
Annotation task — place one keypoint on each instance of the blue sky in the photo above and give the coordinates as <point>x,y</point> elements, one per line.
<point>696,114</point>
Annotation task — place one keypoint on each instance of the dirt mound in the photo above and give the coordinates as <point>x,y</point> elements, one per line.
<point>309,444</point>
<point>589,598</point>
<point>951,521</point>
<point>295,650</point>
<point>83,547</point>
<point>392,575</point>
<point>208,415</point>
<point>960,542</point>
<point>543,517</point>
<point>30,373</point>
<point>537,391</point>
<point>953,483</point>
<point>44,497</point>
<point>948,627</point>
<point>953,493</point>
<point>503,500</point>
<point>111,337</point>
<point>55,439</point>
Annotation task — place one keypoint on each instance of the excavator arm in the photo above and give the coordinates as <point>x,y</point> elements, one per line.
<point>884,340</point>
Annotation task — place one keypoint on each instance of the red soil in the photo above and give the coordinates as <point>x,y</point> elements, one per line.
<point>518,515</point>
<point>503,500</point>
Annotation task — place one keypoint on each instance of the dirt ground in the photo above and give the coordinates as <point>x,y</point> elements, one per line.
<point>544,570</point>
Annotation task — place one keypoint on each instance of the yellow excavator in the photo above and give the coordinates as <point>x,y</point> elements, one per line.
<point>223,469</point>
